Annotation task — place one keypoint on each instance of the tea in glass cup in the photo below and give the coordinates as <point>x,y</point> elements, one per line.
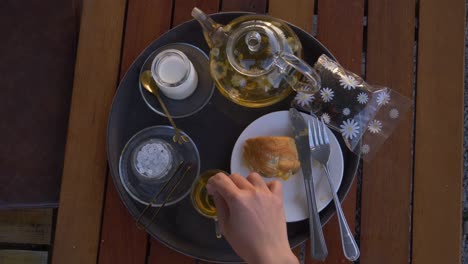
<point>201,200</point>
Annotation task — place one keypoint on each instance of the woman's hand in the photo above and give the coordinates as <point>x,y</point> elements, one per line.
<point>251,217</point>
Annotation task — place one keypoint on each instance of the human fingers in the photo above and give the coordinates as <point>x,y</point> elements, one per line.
<point>241,182</point>
<point>223,185</point>
<point>276,188</point>
<point>256,180</point>
<point>222,211</point>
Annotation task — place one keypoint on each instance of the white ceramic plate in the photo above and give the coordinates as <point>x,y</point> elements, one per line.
<point>294,194</point>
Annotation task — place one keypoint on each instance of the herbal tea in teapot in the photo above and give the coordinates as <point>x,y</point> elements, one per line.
<point>254,60</point>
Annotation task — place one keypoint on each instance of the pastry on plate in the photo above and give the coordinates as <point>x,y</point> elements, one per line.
<point>272,156</point>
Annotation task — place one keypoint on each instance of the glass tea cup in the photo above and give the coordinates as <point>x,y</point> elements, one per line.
<point>202,201</point>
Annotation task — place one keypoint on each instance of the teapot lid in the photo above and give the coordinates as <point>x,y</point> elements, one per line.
<point>252,48</point>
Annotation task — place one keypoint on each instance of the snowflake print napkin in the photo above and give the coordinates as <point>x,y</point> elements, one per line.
<point>365,115</point>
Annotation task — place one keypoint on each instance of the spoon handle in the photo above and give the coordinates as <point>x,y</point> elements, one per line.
<point>161,102</point>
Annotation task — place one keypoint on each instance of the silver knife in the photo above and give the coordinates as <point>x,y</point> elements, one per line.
<point>299,126</point>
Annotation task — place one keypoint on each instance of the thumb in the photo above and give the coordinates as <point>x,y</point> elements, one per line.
<point>222,211</point>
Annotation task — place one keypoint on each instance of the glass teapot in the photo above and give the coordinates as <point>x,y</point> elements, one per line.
<point>255,59</point>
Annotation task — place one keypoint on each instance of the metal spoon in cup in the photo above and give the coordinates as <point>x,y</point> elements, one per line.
<point>150,85</point>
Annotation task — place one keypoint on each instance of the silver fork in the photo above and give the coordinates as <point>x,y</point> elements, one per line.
<point>320,151</point>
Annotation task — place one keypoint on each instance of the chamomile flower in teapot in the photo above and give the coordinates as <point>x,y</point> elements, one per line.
<point>255,59</point>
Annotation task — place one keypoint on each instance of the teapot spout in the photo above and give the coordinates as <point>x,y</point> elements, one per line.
<point>213,32</point>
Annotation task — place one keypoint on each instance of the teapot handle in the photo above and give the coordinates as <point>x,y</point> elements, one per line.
<point>284,60</point>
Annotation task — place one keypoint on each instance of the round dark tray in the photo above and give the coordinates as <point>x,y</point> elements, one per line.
<point>215,130</point>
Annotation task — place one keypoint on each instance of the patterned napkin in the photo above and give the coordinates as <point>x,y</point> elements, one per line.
<point>365,115</point>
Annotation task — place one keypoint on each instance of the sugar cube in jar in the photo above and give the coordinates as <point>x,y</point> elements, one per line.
<point>153,160</point>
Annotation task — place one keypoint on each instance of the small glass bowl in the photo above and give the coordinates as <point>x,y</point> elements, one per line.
<point>142,188</point>
<point>168,164</point>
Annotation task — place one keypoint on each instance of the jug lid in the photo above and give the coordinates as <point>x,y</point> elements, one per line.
<point>253,47</point>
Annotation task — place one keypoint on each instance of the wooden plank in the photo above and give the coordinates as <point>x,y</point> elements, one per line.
<point>23,257</point>
<point>159,253</point>
<point>297,12</point>
<point>386,186</point>
<point>438,170</point>
<point>96,74</point>
<point>256,6</point>
<point>31,226</point>
<point>183,9</point>
<point>121,241</point>
<point>341,21</point>
<point>146,20</point>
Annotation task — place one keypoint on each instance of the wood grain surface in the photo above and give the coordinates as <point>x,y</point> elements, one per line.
<point>340,29</point>
<point>121,240</point>
<point>96,75</point>
<point>32,226</point>
<point>23,257</point>
<point>146,21</point>
<point>160,254</point>
<point>386,184</point>
<point>438,170</point>
<point>183,9</point>
<point>256,6</point>
<point>297,12</point>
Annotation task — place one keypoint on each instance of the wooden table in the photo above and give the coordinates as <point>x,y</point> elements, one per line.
<point>406,203</point>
